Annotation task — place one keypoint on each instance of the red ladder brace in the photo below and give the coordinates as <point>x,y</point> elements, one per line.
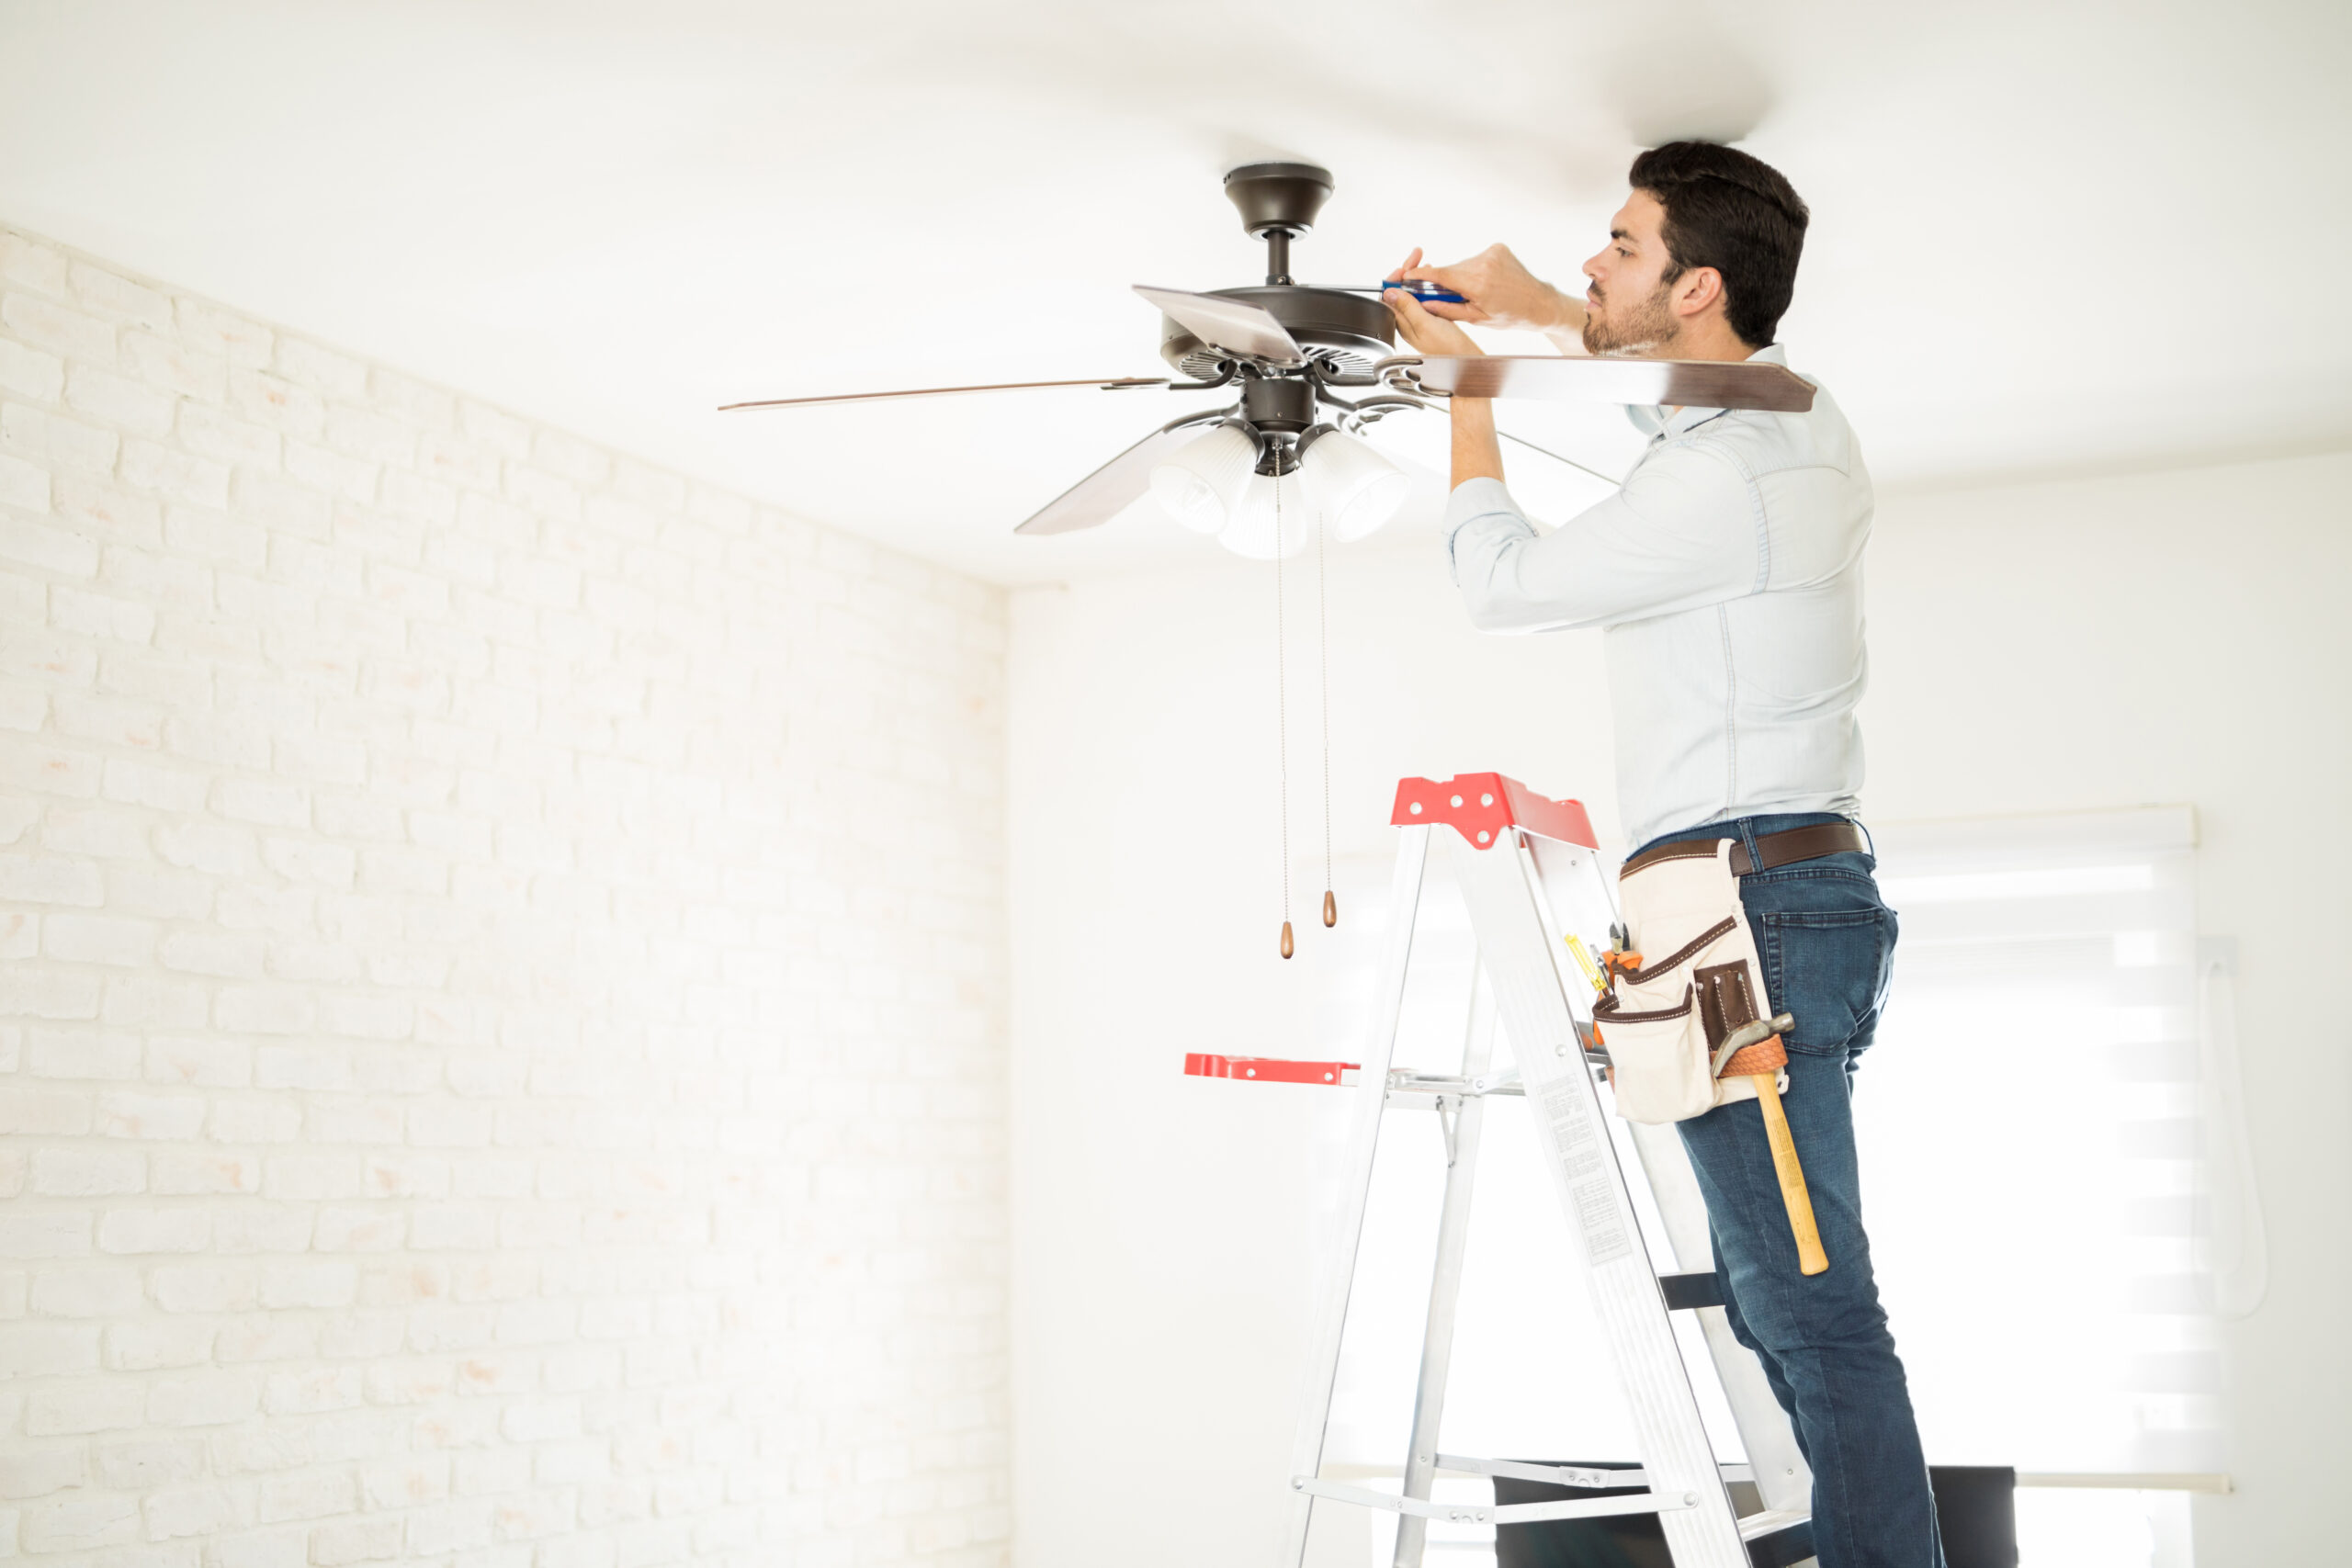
<point>1479,806</point>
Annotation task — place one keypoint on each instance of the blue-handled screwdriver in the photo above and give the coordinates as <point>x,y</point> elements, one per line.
<point>1426,293</point>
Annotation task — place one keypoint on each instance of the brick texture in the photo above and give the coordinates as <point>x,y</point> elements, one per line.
<point>501,1037</point>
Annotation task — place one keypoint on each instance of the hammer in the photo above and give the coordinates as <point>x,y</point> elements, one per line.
<point>1755,1051</point>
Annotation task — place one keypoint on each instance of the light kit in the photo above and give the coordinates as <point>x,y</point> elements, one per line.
<point>1226,483</point>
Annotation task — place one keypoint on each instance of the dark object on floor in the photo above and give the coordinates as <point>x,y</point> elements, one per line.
<point>1976,1509</point>
<point>1976,1506</point>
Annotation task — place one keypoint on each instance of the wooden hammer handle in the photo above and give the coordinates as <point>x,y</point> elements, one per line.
<point>1810,1259</point>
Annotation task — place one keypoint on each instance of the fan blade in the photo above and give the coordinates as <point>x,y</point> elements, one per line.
<point>1228,324</point>
<point>1108,383</point>
<point>1689,383</point>
<point>1103,493</point>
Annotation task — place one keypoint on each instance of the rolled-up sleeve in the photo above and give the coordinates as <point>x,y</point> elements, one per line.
<point>1684,531</point>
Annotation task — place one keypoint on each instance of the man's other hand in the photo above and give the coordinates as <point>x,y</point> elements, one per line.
<point>1497,291</point>
<point>1426,333</point>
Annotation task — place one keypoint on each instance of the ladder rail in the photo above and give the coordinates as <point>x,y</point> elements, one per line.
<point>1364,1146</point>
<point>1445,1277</point>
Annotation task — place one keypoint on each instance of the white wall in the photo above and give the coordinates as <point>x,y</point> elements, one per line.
<point>2162,638</point>
<point>500,983</point>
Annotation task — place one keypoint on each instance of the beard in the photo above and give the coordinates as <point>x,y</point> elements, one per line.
<point>1643,327</point>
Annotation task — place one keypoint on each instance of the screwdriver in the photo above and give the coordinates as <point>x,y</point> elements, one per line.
<point>1427,293</point>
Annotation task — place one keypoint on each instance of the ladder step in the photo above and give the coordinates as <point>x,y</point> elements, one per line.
<point>1686,1292</point>
<point>1777,1540</point>
<point>1525,1539</point>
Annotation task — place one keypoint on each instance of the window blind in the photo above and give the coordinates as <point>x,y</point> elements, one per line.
<point>2033,1126</point>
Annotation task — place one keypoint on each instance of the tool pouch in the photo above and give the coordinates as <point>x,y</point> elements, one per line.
<point>1699,979</point>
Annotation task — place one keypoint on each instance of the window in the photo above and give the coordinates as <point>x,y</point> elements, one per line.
<point>2030,1128</point>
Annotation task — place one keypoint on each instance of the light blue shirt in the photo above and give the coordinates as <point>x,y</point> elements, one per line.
<point>1727,576</point>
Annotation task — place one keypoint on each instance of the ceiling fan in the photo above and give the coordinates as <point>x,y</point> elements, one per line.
<point>1312,367</point>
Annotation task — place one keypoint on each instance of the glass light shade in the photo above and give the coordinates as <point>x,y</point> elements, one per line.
<point>1359,488</point>
<point>1201,481</point>
<point>1252,532</point>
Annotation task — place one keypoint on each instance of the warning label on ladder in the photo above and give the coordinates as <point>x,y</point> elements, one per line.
<point>1592,1187</point>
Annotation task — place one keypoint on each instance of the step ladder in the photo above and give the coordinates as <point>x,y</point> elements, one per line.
<point>1529,872</point>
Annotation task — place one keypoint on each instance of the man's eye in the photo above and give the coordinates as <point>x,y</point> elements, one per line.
<point>1626,253</point>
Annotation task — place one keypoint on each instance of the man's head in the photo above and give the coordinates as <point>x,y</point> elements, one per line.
<point>1708,243</point>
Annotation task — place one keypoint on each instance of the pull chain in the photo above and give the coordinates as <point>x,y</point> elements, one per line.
<point>1282,707</point>
<point>1323,663</point>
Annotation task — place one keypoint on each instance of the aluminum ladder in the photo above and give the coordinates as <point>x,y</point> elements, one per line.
<point>1529,872</point>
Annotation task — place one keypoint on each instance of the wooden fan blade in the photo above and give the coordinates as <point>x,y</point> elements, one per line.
<point>1103,493</point>
<point>1228,324</point>
<point>1689,383</point>
<point>1108,384</point>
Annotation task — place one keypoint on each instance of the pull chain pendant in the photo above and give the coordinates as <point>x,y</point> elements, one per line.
<point>1281,712</point>
<point>1323,668</point>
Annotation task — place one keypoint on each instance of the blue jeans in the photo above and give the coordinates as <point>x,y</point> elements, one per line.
<point>1828,943</point>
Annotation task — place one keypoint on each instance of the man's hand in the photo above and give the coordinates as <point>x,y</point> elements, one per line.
<point>1497,291</point>
<point>1426,332</point>
<point>1477,450</point>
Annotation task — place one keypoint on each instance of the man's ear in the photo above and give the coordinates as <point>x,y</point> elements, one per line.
<point>1697,291</point>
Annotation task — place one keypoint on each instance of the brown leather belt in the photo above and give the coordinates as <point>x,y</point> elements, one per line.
<point>1772,848</point>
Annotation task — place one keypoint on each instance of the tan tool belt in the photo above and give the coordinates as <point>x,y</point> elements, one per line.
<point>1700,977</point>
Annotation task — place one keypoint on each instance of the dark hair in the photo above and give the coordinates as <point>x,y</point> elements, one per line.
<point>1735,213</point>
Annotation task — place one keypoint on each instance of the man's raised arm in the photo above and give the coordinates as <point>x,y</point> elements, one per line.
<point>1477,450</point>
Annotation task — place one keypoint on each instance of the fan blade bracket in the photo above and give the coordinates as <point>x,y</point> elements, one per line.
<point>1401,373</point>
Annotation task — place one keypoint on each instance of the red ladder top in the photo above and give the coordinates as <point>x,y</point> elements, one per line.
<point>1481,805</point>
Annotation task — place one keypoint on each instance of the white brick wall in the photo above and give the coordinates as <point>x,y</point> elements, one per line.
<point>500,983</point>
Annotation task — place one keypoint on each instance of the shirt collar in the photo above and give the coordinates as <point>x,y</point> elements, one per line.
<point>1654,421</point>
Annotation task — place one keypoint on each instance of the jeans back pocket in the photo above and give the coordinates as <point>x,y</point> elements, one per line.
<point>1828,969</point>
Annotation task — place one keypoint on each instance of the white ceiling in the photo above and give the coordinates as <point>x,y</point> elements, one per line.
<point>2046,236</point>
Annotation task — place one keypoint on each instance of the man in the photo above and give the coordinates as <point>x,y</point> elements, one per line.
<point>1727,575</point>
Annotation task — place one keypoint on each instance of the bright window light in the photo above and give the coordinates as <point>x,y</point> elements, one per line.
<point>2043,1037</point>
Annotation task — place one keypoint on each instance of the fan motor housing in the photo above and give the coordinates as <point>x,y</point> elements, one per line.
<point>1346,332</point>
